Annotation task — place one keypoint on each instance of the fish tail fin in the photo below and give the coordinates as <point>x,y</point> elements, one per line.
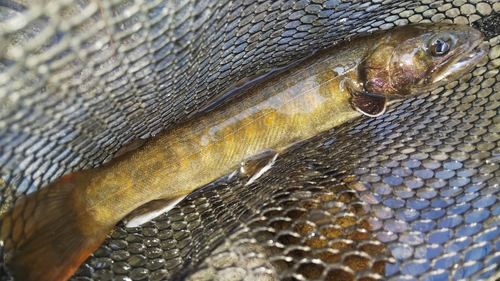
<point>42,239</point>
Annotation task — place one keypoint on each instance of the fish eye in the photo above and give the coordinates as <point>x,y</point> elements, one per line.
<point>440,45</point>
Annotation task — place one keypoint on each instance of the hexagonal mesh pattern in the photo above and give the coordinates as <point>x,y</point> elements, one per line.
<point>412,194</point>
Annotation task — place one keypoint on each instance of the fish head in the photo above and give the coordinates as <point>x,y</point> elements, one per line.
<point>417,58</point>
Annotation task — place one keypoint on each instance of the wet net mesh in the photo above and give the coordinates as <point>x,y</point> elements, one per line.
<point>413,194</point>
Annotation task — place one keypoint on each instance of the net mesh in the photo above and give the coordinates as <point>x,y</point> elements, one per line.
<point>412,194</point>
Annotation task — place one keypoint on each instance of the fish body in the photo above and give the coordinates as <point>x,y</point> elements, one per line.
<point>52,231</point>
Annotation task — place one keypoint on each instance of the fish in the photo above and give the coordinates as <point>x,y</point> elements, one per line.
<point>50,232</point>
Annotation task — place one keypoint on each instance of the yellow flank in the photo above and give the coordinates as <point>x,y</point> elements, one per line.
<point>313,102</point>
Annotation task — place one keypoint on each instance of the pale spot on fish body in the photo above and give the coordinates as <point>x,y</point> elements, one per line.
<point>204,141</point>
<point>339,70</point>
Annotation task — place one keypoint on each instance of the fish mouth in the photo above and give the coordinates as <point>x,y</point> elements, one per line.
<point>471,58</point>
<point>466,59</point>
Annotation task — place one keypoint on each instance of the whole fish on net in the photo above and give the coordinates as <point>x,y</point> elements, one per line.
<point>52,231</point>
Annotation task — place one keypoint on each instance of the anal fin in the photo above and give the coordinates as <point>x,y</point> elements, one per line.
<point>151,210</point>
<point>256,165</point>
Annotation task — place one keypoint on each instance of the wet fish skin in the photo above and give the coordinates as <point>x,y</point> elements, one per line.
<point>52,231</point>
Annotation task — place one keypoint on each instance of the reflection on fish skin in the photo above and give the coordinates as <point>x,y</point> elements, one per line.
<point>52,231</point>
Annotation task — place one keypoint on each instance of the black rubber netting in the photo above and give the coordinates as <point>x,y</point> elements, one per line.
<point>413,194</point>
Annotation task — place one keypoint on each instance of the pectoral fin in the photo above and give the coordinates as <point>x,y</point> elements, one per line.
<point>256,165</point>
<point>369,104</point>
<point>151,210</point>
